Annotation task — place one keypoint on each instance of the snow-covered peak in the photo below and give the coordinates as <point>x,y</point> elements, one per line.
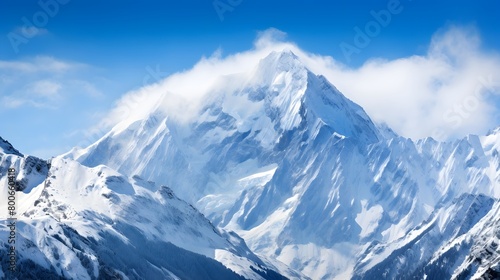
<point>7,148</point>
<point>495,131</point>
<point>386,131</point>
<point>281,94</point>
<point>491,142</point>
<point>276,63</point>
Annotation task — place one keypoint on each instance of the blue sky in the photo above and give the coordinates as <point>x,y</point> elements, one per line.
<point>76,58</point>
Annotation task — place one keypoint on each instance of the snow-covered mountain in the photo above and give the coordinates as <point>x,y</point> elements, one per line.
<point>278,156</point>
<point>76,222</point>
<point>281,157</point>
<point>456,242</point>
<point>459,240</point>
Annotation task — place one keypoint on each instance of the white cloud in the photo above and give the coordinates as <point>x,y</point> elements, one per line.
<point>40,64</point>
<point>47,63</point>
<point>46,88</point>
<point>17,66</point>
<point>444,93</point>
<point>40,94</point>
<point>42,82</point>
<point>269,37</point>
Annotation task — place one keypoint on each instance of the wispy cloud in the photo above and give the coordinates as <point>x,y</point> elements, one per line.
<point>444,93</point>
<point>46,88</point>
<point>42,82</point>
<point>40,64</point>
<point>40,94</point>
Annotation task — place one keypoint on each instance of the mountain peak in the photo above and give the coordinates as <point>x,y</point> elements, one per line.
<point>293,88</point>
<point>284,57</point>
<point>279,61</point>
<point>7,148</point>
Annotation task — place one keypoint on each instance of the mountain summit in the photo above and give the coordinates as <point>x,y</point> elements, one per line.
<point>7,148</point>
<point>252,123</point>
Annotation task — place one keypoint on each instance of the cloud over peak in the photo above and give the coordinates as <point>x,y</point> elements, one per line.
<point>444,93</point>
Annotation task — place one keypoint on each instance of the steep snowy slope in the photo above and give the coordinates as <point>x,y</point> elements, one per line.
<point>442,247</point>
<point>460,239</point>
<point>76,222</point>
<point>280,156</point>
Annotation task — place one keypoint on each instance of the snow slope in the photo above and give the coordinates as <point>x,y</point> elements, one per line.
<point>441,247</point>
<point>76,222</point>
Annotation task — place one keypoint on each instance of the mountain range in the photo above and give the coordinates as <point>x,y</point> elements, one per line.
<point>277,175</point>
